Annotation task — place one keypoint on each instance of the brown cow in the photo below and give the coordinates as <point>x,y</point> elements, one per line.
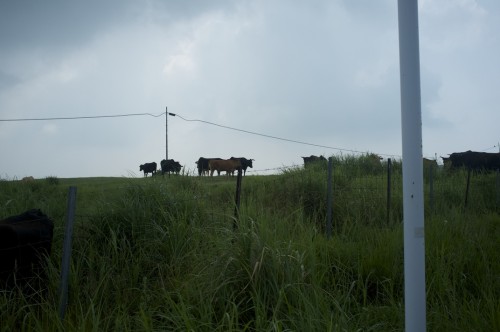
<point>427,163</point>
<point>228,165</point>
<point>202,165</point>
<point>28,179</point>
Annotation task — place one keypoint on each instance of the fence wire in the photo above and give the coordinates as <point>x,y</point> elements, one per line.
<point>354,190</point>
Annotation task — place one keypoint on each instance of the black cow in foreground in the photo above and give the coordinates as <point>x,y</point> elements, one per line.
<point>202,165</point>
<point>312,159</point>
<point>170,165</point>
<point>475,161</point>
<point>148,168</point>
<point>245,163</point>
<point>25,240</point>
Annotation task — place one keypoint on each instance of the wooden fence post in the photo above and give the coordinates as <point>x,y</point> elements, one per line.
<point>68,234</point>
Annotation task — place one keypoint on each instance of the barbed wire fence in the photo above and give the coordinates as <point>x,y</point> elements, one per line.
<point>352,191</point>
<point>343,193</point>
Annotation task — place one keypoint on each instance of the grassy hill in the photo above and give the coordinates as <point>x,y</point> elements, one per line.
<point>161,253</point>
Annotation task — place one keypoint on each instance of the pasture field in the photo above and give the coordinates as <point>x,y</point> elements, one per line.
<point>161,254</point>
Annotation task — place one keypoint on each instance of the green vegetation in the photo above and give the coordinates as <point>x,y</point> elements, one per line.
<point>161,253</point>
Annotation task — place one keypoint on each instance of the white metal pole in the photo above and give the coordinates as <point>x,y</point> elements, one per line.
<point>413,195</point>
<point>166,133</point>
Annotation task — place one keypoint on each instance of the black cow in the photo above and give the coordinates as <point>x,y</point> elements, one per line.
<point>245,163</point>
<point>202,165</point>
<point>476,161</point>
<point>24,240</point>
<point>170,165</point>
<point>148,168</point>
<point>312,159</point>
<point>446,162</point>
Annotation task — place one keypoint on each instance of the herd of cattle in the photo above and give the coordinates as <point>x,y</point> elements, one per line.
<point>204,165</point>
<point>470,160</point>
<point>26,238</point>
<point>167,166</point>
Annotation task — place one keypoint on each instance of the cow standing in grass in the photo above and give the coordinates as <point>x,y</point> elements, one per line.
<point>202,165</point>
<point>245,163</point>
<point>25,240</point>
<point>228,166</point>
<point>170,165</point>
<point>308,161</point>
<point>471,160</point>
<point>428,163</point>
<point>148,168</point>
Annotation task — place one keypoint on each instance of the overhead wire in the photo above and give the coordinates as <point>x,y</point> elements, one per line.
<point>206,122</point>
<point>193,120</point>
<point>271,136</point>
<point>490,148</point>
<point>81,117</point>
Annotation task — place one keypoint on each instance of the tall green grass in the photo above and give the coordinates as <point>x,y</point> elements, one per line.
<point>161,254</point>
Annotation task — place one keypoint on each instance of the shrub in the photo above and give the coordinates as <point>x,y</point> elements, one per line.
<point>52,180</point>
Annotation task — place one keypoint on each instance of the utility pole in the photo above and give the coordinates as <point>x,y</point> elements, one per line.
<point>166,133</point>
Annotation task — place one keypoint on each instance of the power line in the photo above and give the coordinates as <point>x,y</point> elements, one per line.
<point>189,120</point>
<point>82,117</point>
<point>271,136</point>
<point>490,148</point>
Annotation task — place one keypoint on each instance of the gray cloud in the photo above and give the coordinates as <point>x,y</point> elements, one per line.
<point>323,72</point>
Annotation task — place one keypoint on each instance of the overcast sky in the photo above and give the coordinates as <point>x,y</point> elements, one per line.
<point>321,72</point>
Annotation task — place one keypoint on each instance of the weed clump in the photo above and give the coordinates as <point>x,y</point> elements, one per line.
<point>52,180</point>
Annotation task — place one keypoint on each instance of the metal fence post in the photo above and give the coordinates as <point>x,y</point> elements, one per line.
<point>498,189</point>
<point>467,189</point>
<point>329,198</point>
<point>63,287</point>
<point>389,172</point>
<point>431,188</point>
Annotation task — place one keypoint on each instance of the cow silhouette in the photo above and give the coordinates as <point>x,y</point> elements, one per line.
<point>25,241</point>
